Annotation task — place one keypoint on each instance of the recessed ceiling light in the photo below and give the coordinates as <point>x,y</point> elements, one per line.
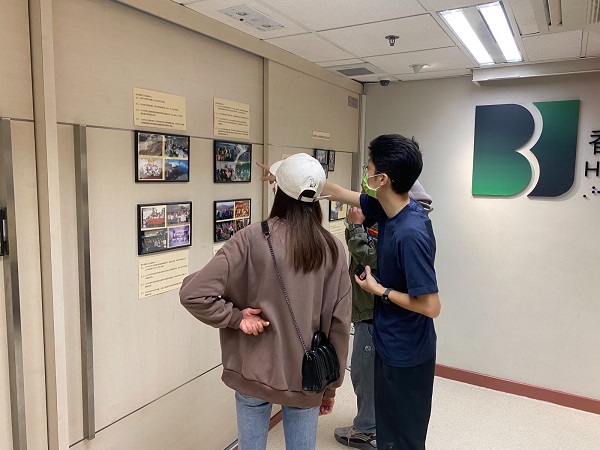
<point>456,19</point>
<point>494,16</point>
<point>486,32</point>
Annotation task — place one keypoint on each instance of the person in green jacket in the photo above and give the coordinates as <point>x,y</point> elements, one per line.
<point>362,243</point>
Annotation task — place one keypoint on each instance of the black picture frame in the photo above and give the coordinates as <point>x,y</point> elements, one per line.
<point>164,226</point>
<point>331,160</point>
<point>232,162</point>
<point>230,216</point>
<point>3,233</point>
<point>337,211</point>
<point>161,157</point>
<point>322,156</point>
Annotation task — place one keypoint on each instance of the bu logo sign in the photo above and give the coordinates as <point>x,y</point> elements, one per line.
<point>506,159</point>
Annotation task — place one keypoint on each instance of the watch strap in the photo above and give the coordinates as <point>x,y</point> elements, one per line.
<point>385,297</point>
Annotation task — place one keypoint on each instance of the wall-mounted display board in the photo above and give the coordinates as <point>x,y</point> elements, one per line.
<point>230,217</point>
<point>164,226</point>
<point>3,233</point>
<point>321,156</point>
<point>233,162</point>
<point>331,160</point>
<point>327,160</point>
<point>161,157</point>
<point>337,210</point>
<point>158,109</point>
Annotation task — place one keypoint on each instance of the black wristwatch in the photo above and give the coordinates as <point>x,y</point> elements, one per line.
<point>354,226</point>
<point>385,296</point>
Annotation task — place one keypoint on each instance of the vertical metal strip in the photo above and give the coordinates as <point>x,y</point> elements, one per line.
<point>85,290</point>
<point>13,301</point>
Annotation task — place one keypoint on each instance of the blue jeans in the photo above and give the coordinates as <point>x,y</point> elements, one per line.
<point>254,414</point>
<point>362,373</point>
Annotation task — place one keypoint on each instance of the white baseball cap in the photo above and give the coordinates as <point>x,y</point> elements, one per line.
<point>300,174</point>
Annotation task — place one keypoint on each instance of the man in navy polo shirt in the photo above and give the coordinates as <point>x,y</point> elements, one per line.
<point>406,294</point>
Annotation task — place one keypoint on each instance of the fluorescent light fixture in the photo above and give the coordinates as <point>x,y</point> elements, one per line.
<point>459,24</point>
<point>494,16</point>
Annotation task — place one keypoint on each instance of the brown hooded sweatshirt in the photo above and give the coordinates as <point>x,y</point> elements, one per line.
<point>242,275</point>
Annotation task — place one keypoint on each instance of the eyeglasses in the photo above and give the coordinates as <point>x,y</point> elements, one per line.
<point>365,168</point>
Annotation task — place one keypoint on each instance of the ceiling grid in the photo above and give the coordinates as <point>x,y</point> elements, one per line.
<point>348,37</point>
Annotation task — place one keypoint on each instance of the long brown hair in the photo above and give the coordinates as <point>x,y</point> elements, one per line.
<point>307,241</point>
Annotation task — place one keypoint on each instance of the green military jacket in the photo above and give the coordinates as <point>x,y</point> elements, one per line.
<point>361,252</point>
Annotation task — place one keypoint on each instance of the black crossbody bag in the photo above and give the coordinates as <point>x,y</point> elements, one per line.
<point>320,364</point>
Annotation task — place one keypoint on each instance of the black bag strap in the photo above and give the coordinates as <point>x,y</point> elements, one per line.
<point>267,233</point>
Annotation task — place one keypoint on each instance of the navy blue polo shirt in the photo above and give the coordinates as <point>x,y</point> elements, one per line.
<point>405,259</point>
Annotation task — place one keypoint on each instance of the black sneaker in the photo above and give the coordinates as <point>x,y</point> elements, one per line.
<point>351,437</point>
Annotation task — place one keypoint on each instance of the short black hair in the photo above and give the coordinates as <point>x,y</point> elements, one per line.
<point>398,157</point>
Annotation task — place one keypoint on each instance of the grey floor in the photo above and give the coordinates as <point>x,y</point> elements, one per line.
<point>468,417</point>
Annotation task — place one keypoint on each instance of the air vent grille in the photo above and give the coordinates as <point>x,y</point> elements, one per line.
<point>355,72</point>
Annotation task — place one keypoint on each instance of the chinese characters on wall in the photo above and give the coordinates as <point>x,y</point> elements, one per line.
<point>592,168</point>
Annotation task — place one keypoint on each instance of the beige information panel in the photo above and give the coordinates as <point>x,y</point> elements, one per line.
<point>231,119</point>
<point>338,230</point>
<point>162,273</point>
<point>158,110</point>
<point>322,135</point>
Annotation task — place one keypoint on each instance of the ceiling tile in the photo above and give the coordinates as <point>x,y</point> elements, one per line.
<point>415,33</point>
<point>593,46</point>
<point>340,62</point>
<point>311,47</point>
<point>438,60</point>
<point>553,46</point>
<point>523,12</point>
<point>343,13</point>
<point>211,9</point>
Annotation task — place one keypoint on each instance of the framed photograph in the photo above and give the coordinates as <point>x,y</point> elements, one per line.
<point>331,161</point>
<point>337,211</point>
<point>325,169</point>
<point>233,162</point>
<point>3,233</point>
<point>322,156</point>
<point>161,157</point>
<point>164,226</point>
<point>230,217</point>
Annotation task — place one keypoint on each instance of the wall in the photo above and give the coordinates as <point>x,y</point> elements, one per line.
<point>300,104</point>
<point>16,104</point>
<point>517,276</point>
<point>146,352</point>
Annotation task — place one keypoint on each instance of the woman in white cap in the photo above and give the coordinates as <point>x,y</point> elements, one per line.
<point>239,292</point>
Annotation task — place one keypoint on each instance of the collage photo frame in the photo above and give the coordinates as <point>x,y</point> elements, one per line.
<point>232,162</point>
<point>164,226</point>
<point>230,216</point>
<point>162,157</point>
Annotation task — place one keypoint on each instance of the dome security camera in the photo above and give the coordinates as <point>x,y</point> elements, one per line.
<point>384,81</point>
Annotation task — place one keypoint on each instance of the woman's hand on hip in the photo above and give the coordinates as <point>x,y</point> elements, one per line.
<point>326,406</point>
<point>251,322</point>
